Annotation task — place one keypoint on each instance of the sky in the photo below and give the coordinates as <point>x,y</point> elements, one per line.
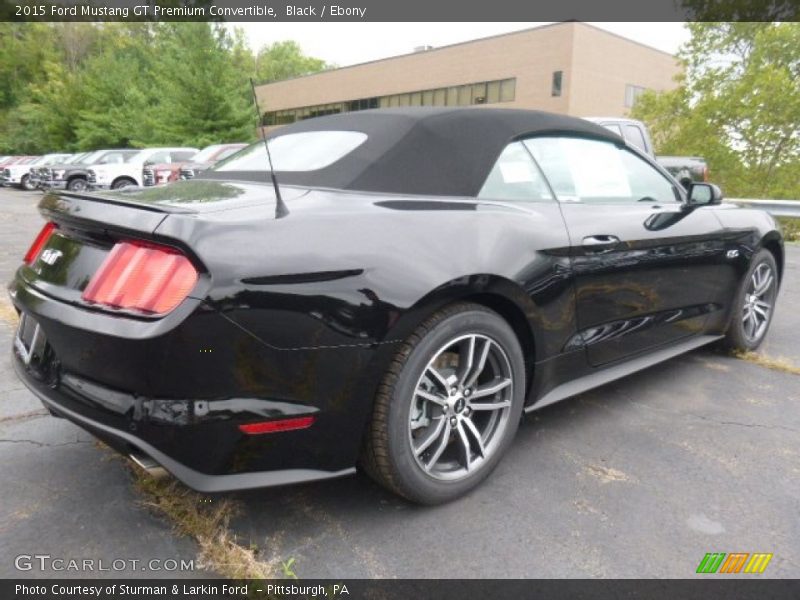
<point>346,44</point>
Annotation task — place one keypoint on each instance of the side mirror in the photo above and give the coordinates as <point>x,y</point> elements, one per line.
<point>704,194</point>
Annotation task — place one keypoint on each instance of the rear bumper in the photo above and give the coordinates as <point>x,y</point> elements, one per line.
<point>128,443</point>
<point>157,389</point>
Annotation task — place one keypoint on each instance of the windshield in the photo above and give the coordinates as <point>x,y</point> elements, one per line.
<point>73,158</point>
<point>51,159</point>
<point>139,157</point>
<point>307,151</point>
<point>206,153</point>
<point>110,157</point>
<point>89,157</point>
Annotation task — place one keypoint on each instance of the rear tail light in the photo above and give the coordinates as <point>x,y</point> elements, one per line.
<point>705,173</point>
<point>39,243</point>
<point>275,426</point>
<point>142,277</point>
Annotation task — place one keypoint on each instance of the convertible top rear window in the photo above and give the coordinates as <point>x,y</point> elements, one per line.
<point>307,151</point>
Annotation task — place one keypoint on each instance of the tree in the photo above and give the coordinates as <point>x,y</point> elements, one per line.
<point>283,60</point>
<point>81,86</point>
<point>203,92</point>
<point>737,104</point>
<point>118,90</point>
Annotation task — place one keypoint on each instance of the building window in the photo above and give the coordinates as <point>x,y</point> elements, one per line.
<point>484,92</point>
<point>557,78</point>
<point>632,92</point>
<point>452,96</point>
<point>479,93</point>
<point>508,90</point>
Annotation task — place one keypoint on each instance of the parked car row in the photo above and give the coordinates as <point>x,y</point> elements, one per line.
<point>113,168</point>
<point>16,170</point>
<point>160,173</point>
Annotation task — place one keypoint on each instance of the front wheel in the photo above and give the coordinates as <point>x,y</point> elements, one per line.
<point>449,406</point>
<point>26,184</point>
<point>77,184</point>
<point>123,183</point>
<point>754,304</point>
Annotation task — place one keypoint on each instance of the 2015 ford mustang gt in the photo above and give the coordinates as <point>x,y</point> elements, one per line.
<point>423,277</point>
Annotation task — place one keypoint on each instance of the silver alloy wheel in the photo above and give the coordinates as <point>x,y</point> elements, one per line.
<point>77,185</point>
<point>758,301</point>
<point>461,407</point>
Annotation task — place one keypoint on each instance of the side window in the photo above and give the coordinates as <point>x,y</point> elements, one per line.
<point>159,157</point>
<point>515,177</point>
<point>613,127</point>
<point>582,170</point>
<point>182,155</point>
<point>113,157</point>
<point>634,135</point>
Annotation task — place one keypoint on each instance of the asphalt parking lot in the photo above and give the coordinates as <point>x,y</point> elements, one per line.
<point>640,478</point>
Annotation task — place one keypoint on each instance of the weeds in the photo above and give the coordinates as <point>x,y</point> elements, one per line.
<point>776,364</point>
<point>205,520</point>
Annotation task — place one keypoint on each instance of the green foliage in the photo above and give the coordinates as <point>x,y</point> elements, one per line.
<point>737,105</point>
<point>790,228</point>
<point>203,102</point>
<point>283,60</point>
<point>80,86</point>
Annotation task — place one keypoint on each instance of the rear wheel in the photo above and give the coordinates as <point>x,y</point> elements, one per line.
<point>448,407</point>
<point>754,304</point>
<point>78,184</point>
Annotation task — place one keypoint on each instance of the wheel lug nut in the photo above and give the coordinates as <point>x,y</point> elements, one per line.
<point>453,421</point>
<point>467,392</point>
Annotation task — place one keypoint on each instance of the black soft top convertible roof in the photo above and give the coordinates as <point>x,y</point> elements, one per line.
<point>426,151</point>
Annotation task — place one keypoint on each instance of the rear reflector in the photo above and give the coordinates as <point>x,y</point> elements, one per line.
<point>39,243</point>
<point>142,277</point>
<point>274,426</point>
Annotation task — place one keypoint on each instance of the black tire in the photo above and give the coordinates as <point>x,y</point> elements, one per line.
<point>25,184</point>
<point>388,456</point>
<point>738,336</point>
<point>122,183</point>
<point>77,184</point>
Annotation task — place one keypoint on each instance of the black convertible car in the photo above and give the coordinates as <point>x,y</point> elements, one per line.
<point>427,276</point>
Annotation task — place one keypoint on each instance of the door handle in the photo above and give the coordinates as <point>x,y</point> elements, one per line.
<point>600,243</point>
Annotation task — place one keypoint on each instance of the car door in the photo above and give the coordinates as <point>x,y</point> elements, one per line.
<point>646,268</point>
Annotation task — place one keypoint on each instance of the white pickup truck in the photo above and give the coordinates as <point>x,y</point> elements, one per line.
<point>118,175</point>
<point>19,174</point>
<point>685,169</point>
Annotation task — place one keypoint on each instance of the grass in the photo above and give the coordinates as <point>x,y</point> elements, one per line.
<point>790,228</point>
<point>206,520</point>
<point>776,364</point>
<point>7,313</point>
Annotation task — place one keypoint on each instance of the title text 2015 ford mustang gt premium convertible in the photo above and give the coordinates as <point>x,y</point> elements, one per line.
<point>424,277</point>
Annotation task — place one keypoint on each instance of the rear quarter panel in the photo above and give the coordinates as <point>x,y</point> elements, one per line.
<point>344,269</point>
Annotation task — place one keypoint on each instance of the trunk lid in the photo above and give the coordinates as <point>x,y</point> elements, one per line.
<point>89,225</point>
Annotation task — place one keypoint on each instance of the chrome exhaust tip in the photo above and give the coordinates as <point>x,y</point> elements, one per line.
<point>147,464</point>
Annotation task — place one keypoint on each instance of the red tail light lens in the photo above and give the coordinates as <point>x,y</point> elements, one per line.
<point>142,277</point>
<point>39,243</point>
<point>275,426</point>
